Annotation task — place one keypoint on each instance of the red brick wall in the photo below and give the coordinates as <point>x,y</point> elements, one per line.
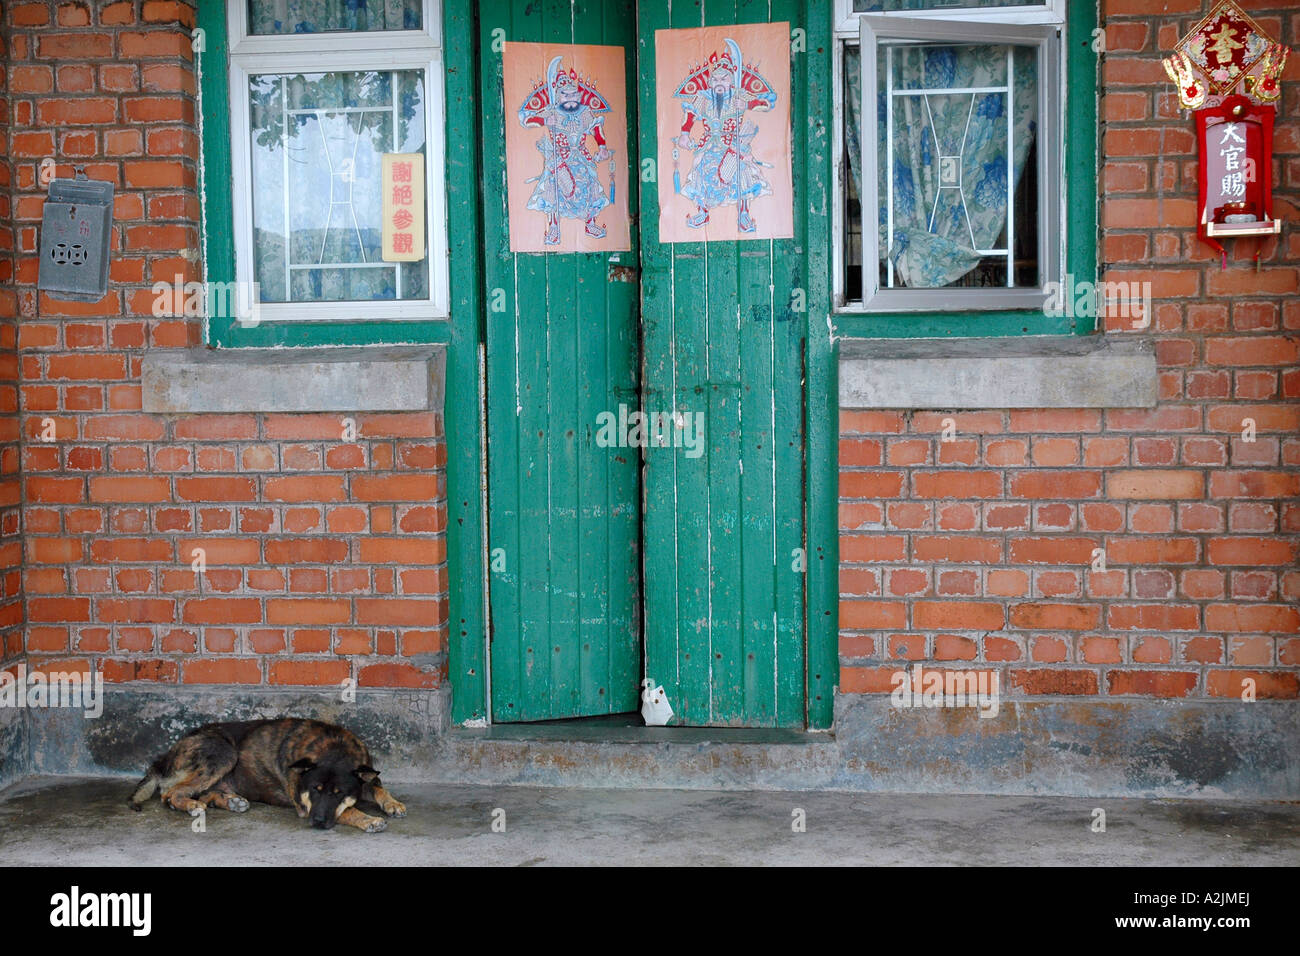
<point>977,552</point>
<point>11,548</point>
<point>326,559</point>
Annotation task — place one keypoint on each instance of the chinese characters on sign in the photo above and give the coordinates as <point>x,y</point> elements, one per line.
<point>1235,170</point>
<point>723,114</point>
<point>403,193</point>
<point>568,103</point>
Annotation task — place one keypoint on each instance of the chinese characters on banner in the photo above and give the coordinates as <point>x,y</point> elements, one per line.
<point>723,113</point>
<point>1235,170</point>
<point>403,186</point>
<point>566,147</point>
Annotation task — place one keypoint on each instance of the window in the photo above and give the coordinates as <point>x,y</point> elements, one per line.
<point>952,156</point>
<point>320,92</point>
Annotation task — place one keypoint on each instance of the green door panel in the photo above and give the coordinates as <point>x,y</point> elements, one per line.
<point>723,564</point>
<point>563,521</point>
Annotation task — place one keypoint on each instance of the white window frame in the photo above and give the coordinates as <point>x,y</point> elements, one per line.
<point>1041,25</point>
<point>385,51</point>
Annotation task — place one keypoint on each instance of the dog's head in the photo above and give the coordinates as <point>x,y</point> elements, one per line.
<point>328,786</point>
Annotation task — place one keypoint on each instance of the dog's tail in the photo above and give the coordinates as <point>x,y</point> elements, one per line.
<point>147,787</point>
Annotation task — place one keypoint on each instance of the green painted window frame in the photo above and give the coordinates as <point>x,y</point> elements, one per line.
<point>1082,64</point>
<point>213,60</point>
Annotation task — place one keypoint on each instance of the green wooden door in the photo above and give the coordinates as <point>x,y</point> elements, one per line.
<point>563,515</point>
<point>722,530</point>
<point>724,537</point>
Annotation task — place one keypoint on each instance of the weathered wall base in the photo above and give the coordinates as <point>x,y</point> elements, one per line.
<point>1060,747</point>
<point>1057,747</point>
<point>401,728</point>
<point>14,748</point>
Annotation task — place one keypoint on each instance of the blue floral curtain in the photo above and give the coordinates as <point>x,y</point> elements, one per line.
<point>889,6</point>
<point>949,190</point>
<point>322,16</point>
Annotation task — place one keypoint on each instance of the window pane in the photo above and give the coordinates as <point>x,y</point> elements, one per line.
<point>329,16</point>
<point>317,143</point>
<point>957,165</point>
<point>891,6</point>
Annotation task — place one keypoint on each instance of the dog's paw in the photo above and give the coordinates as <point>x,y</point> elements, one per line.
<point>237,804</point>
<point>376,825</point>
<point>395,808</point>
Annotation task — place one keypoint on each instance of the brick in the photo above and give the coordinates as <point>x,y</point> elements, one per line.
<point>309,672</point>
<point>871,484</point>
<point>1153,617</point>
<point>1266,684</point>
<point>1152,683</point>
<point>1250,551</point>
<point>1052,550</point>
<point>306,551</point>
<point>307,611</point>
<point>1257,618</point>
<point>377,550</point>
<point>124,489</point>
<point>1042,483</point>
<point>395,488</point>
<point>222,611</point>
<point>871,548</point>
<point>242,670</point>
<point>135,610</point>
<point>962,549</point>
<point>216,489</point>
<point>396,612</point>
<point>957,615</point>
<point>397,675</point>
<point>59,609</point>
<point>1065,617</point>
<point>1254,484</point>
<point>1054,681</point>
<point>962,484</point>
<point>74,46</point>
<point>872,615</point>
<point>305,488</point>
<point>1155,484</point>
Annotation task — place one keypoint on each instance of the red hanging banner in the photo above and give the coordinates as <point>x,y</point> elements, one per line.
<point>1235,196</point>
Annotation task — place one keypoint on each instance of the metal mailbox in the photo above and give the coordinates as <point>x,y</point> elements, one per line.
<point>74,239</point>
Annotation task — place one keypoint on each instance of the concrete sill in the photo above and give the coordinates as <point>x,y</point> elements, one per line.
<point>600,732</point>
<point>1095,371</point>
<point>372,379</point>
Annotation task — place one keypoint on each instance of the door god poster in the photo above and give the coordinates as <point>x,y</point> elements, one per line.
<point>566,147</point>
<point>723,113</point>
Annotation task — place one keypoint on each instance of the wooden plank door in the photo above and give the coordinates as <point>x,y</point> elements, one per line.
<point>723,531</point>
<point>563,513</point>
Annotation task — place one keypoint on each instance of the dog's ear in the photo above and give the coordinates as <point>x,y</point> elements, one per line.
<point>303,765</point>
<point>367,774</point>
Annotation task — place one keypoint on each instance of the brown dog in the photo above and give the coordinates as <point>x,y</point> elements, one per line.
<point>320,770</point>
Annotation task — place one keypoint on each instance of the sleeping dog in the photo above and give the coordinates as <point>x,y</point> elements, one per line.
<point>320,770</point>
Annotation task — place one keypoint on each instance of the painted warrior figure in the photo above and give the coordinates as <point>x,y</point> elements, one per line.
<point>724,171</point>
<point>571,112</point>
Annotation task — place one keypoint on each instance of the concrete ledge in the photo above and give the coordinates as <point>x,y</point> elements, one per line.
<point>1061,747</point>
<point>1053,747</point>
<point>1095,371</point>
<point>402,728</point>
<point>295,380</point>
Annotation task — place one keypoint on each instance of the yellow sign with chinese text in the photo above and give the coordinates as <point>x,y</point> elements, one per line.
<point>403,186</point>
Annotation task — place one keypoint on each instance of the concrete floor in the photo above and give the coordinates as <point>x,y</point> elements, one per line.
<point>79,821</point>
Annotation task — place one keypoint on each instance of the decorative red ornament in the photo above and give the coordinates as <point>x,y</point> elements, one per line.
<point>1235,177</point>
